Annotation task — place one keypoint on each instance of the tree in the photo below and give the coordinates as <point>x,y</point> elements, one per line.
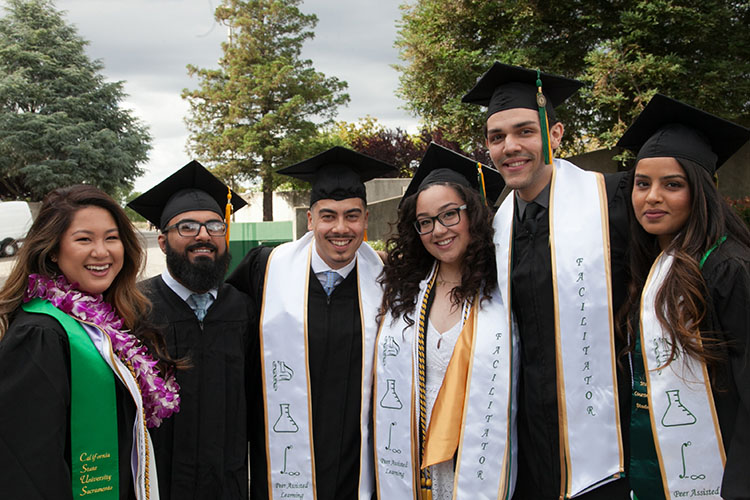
<point>255,113</point>
<point>60,122</point>
<point>625,50</point>
<point>395,146</point>
<point>697,52</point>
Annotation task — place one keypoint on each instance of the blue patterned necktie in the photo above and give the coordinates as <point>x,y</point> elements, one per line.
<point>332,279</point>
<point>199,303</point>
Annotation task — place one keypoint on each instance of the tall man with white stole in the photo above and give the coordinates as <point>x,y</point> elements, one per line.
<point>311,384</point>
<point>558,228</point>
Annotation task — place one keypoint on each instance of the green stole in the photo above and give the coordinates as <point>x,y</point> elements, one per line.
<point>93,411</point>
<point>645,476</point>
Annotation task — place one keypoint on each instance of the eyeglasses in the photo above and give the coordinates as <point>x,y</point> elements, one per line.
<point>447,218</point>
<point>192,228</point>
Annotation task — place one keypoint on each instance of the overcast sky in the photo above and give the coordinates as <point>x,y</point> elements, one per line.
<point>148,43</point>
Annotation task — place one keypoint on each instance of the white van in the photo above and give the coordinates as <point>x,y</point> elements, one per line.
<point>15,222</point>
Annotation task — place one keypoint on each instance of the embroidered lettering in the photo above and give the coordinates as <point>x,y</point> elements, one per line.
<point>585,350</point>
<point>580,277</point>
<point>586,366</point>
<point>582,291</point>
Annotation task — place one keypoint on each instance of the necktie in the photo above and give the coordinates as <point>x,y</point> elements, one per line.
<point>332,279</point>
<point>529,216</point>
<point>199,303</point>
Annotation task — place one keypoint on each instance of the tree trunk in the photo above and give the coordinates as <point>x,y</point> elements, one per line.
<point>267,194</point>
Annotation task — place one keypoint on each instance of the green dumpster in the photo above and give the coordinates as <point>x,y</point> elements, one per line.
<point>244,236</point>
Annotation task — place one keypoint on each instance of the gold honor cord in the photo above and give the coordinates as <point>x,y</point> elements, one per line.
<point>425,479</point>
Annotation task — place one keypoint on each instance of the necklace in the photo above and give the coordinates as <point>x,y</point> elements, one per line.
<point>161,396</point>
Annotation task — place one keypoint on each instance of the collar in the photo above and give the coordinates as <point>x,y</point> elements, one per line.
<point>542,199</point>
<point>319,266</point>
<point>181,290</point>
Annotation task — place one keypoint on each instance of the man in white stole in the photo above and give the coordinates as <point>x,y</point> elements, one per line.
<point>319,298</point>
<point>556,227</point>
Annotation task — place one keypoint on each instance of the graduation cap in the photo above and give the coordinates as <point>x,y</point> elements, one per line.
<point>670,128</point>
<point>190,188</point>
<point>508,87</point>
<point>338,174</point>
<point>440,165</point>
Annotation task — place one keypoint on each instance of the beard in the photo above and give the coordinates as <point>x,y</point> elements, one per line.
<point>201,275</point>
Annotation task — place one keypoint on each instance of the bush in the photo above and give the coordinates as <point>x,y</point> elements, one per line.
<point>742,207</point>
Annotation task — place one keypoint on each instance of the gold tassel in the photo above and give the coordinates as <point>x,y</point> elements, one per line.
<point>228,212</point>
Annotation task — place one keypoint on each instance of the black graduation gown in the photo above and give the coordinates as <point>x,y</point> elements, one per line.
<point>532,302</point>
<point>201,452</point>
<point>727,275</point>
<point>335,363</point>
<point>35,413</point>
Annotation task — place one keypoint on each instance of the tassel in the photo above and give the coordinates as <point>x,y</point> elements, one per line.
<point>541,102</point>
<point>480,181</point>
<point>228,212</point>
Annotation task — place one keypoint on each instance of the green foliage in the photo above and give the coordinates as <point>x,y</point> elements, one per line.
<point>697,52</point>
<point>60,122</point>
<point>255,114</point>
<point>624,50</point>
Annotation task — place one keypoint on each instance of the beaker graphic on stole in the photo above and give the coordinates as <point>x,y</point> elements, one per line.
<point>390,398</point>
<point>677,414</point>
<point>285,422</point>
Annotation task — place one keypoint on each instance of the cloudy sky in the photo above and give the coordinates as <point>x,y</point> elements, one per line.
<point>148,43</point>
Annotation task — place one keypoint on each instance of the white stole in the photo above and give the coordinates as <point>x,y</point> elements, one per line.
<point>142,460</point>
<point>586,369</point>
<point>681,405</point>
<point>486,458</point>
<point>286,381</point>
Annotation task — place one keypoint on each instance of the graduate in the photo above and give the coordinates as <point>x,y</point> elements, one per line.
<point>566,232</point>
<point>83,376</point>
<point>445,352</point>
<point>202,452</point>
<point>688,315</point>
<point>318,296</point>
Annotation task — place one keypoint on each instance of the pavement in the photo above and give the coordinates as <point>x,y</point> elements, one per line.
<point>155,261</point>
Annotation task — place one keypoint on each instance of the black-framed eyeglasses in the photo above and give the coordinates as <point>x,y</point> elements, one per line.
<point>448,218</point>
<point>191,228</point>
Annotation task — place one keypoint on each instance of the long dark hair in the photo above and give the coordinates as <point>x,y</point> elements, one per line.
<point>43,242</point>
<point>409,261</point>
<point>681,303</point>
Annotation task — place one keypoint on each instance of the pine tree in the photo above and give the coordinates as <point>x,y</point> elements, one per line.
<point>259,110</point>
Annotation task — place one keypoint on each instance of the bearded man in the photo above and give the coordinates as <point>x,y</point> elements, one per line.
<point>201,452</point>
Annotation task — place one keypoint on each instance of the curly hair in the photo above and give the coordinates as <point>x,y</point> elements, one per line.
<point>43,242</point>
<point>681,301</point>
<point>409,261</point>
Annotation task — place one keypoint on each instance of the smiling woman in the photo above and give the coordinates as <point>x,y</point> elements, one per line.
<point>687,312</point>
<point>72,306</point>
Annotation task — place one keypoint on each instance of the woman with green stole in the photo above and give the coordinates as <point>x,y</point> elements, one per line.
<point>688,310</point>
<point>81,375</point>
<point>443,356</point>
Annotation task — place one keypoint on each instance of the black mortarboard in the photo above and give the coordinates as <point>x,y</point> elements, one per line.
<point>506,87</point>
<point>338,174</point>
<point>670,128</point>
<point>190,188</point>
<point>440,165</point>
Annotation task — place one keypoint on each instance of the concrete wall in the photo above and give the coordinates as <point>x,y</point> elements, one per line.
<point>734,175</point>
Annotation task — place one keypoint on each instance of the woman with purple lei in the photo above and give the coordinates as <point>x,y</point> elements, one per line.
<point>82,376</point>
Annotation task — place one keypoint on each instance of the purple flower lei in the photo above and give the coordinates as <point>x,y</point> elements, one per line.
<point>161,396</point>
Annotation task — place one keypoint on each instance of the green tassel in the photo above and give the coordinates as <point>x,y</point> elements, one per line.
<point>541,102</point>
